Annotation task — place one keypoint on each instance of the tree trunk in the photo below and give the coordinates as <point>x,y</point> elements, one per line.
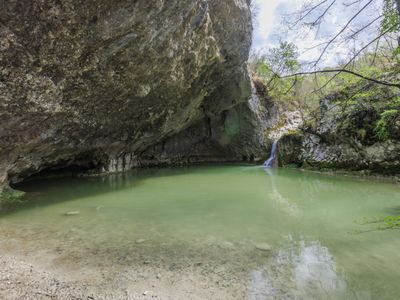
<point>398,11</point>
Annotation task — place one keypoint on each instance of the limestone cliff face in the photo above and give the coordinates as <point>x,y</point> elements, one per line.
<point>317,151</point>
<point>116,84</point>
<point>344,137</point>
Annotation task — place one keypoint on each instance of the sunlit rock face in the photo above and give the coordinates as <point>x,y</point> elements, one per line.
<point>116,84</point>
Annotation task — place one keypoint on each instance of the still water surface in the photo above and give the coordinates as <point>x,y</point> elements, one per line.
<point>282,234</point>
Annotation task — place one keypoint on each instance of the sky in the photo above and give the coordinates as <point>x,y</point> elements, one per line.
<point>269,28</point>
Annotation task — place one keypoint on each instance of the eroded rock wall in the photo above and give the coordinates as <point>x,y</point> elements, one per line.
<point>116,84</point>
<point>312,151</point>
<point>344,134</point>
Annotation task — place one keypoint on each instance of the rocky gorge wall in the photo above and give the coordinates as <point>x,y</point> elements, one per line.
<point>347,134</point>
<point>308,150</point>
<point>111,85</point>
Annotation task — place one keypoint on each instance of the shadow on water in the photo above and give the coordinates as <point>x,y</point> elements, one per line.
<point>43,191</point>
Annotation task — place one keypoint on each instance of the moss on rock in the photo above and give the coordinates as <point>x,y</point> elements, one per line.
<point>290,148</point>
<point>10,196</point>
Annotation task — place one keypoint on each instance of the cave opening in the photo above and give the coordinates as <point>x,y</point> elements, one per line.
<point>64,169</point>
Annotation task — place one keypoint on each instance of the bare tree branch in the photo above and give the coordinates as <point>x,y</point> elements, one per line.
<point>353,58</point>
<point>375,52</point>
<point>364,27</point>
<point>320,18</point>
<point>341,31</point>
<point>352,3</point>
<point>292,86</point>
<point>338,71</point>
<point>308,12</point>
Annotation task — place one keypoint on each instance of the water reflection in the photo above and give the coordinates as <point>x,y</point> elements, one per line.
<point>274,194</point>
<point>300,270</point>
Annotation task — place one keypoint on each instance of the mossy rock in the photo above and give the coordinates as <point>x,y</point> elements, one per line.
<point>10,196</point>
<point>289,148</point>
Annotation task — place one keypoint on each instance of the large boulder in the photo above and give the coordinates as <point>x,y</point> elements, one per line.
<point>116,84</point>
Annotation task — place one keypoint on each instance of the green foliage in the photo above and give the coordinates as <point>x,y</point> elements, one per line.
<point>263,70</point>
<point>391,22</point>
<point>278,61</point>
<point>391,17</point>
<point>396,54</point>
<point>10,196</point>
<point>364,111</point>
<point>391,222</point>
<point>386,121</point>
<point>283,59</point>
<point>381,130</point>
<point>388,222</point>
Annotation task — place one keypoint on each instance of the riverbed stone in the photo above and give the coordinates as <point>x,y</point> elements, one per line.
<point>263,246</point>
<point>72,213</point>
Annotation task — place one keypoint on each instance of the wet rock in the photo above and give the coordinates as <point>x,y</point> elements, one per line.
<point>290,148</point>
<point>321,151</point>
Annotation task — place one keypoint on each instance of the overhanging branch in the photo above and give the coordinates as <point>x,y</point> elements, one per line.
<point>342,71</point>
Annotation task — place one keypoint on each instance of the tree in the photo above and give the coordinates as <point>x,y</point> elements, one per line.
<point>283,59</point>
<point>383,27</point>
<point>391,17</point>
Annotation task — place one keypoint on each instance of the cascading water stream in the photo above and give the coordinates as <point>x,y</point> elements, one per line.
<point>269,163</point>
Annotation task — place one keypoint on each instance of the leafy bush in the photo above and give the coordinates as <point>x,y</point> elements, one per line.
<point>385,123</point>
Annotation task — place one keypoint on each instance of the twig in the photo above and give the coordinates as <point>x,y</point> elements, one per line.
<point>354,57</point>
<point>341,31</point>
<point>309,11</point>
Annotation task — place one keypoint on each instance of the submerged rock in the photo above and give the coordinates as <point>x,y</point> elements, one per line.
<point>113,85</point>
<point>9,196</point>
<point>72,213</point>
<point>263,246</point>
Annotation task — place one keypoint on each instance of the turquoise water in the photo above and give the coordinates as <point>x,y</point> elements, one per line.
<point>219,215</point>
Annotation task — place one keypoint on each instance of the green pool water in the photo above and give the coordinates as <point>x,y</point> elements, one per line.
<point>203,217</point>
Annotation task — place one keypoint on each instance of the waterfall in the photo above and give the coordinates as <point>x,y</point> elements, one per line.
<point>269,163</point>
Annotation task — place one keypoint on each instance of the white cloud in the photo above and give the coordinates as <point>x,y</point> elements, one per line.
<point>268,17</point>
<point>269,29</point>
